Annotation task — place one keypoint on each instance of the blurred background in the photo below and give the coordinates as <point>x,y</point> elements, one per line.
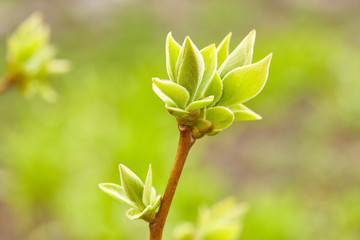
<point>298,169</point>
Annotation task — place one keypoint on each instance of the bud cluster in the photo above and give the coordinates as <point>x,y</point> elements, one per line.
<point>207,88</point>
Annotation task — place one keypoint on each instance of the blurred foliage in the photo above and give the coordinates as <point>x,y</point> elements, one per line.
<point>297,169</point>
<point>221,221</point>
<point>30,58</point>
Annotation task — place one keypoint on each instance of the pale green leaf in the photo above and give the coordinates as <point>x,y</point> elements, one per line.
<point>116,192</point>
<point>241,56</point>
<point>147,188</point>
<point>171,93</point>
<point>156,202</point>
<point>215,89</point>
<point>209,56</point>
<point>153,194</point>
<point>244,83</point>
<point>135,214</point>
<point>168,101</point>
<point>221,117</point>
<point>189,67</point>
<point>214,132</point>
<point>223,50</point>
<point>172,54</point>
<point>243,113</point>
<point>132,185</point>
<point>176,111</point>
<point>200,104</point>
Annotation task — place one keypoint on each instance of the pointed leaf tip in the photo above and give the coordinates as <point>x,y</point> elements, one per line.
<point>172,50</point>
<point>132,185</point>
<point>223,49</point>
<point>189,67</point>
<point>243,113</point>
<point>244,83</point>
<point>241,56</point>
<point>147,188</point>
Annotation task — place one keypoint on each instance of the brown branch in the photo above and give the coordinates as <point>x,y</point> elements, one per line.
<point>6,84</point>
<point>185,143</point>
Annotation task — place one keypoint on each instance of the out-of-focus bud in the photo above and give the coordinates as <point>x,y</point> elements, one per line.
<point>30,58</point>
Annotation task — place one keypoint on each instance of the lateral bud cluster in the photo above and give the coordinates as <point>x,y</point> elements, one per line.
<point>141,197</point>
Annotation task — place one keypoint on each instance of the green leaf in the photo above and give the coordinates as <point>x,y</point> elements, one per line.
<point>171,93</point>
<point>244,83</point>
<point>214,132</point>
<point>132,185</point>
<point>200,104</point>
<point>116,192</point>
<point>223,50</point>
<point>243,113</point>
<point>172,54</point>
<point>176,111</point>
<point>215,88</point>
<point>156,202</point>
<point>147,188</point>
<point>135,214</point>
<point>221,117</point>
<point>152,195</point>
<point>241,56</point>
<point>189,67</point>
<point>209,56</point>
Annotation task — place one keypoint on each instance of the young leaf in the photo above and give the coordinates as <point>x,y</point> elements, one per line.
<point>241,56</point>
<point>189,67</point>
<point>243,113</point>
<point>147,188</point>
<point>172,54</point>
<point>168,101</point>
<point>221,117</point>
<point>156,202</point>
<point>176,111</point>
<point>214,132</point>
<point>244,83</point>
<point>223,50</point>
<point>200,104</point>
<point>215,89</point>
<point>209,56</point>
<point>116,192</point>
<point>176,93</point>
<point>134,214</point>
<point>132,185</point>
<point>152,195</point>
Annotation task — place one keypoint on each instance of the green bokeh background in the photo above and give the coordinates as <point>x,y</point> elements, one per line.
<point>298,169</point>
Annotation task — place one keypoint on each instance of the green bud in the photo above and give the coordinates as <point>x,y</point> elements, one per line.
<point>211,82</point>
<point>196,133</point>
<point>31,59</point>
<point>139,196</point>
<point>204,125</point>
